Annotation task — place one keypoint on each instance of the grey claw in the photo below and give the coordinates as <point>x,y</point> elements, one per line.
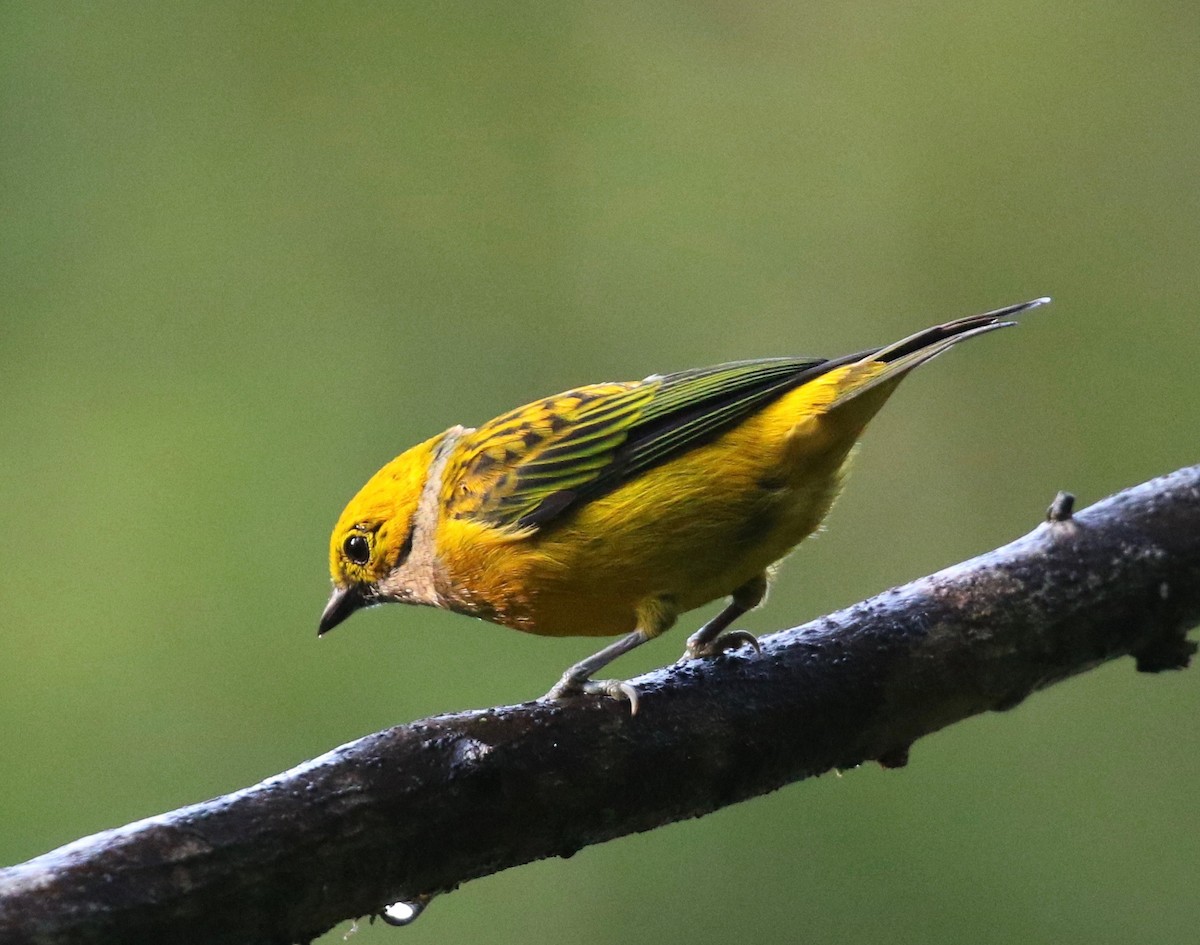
<point>729,640</point>
<point>613,688</point>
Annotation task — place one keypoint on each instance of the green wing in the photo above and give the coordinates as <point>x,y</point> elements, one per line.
<point>530,466</point>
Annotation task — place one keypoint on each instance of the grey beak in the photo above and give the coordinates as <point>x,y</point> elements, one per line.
<point>344,602</point>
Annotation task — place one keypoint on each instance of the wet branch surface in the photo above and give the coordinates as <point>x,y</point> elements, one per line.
<point>420,808</point>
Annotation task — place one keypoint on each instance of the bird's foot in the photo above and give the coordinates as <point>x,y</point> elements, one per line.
<point>698,647</point>
<point>570,686</point>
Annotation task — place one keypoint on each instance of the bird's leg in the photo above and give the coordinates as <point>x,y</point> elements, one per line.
<point>713,638</point>
<point>577,679</point>
<point>654,615</point>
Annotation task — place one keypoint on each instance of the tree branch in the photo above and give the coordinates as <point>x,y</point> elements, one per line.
<point>420,808</point>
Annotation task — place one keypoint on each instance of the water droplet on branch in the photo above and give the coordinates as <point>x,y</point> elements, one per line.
<point>403,912</point>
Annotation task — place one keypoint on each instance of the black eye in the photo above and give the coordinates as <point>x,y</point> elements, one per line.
<point>357,549</point>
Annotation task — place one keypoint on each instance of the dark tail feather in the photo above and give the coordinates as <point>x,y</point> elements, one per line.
<point>954,330</point>
<point>915,350</point>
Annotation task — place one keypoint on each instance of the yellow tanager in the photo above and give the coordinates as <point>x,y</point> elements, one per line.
<point>613,508</point>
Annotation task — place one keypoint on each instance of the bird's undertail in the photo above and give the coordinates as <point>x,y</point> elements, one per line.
<point>910,352</point>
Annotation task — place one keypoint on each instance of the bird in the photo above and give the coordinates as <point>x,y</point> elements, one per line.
<point>611,509</point>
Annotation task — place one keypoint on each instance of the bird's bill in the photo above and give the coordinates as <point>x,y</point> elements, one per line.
<point>343,602</point>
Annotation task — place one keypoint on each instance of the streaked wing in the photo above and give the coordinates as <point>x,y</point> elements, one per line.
<point>529,466</point>
<point>513,464</point>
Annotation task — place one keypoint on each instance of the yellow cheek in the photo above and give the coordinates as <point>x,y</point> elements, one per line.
<point>345,572</point>
<point>387,503</point>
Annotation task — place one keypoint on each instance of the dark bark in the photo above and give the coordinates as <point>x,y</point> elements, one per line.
<point>421,808</point>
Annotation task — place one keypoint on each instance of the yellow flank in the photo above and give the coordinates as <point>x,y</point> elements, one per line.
<point>611,509</point>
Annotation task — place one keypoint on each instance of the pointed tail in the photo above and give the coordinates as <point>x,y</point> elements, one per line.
<point>908,353</point>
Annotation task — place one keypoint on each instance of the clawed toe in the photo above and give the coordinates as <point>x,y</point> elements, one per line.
<point>567,687</point>
<point>729,640</point>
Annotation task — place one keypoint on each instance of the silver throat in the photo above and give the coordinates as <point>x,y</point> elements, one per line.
<point>414,580</point>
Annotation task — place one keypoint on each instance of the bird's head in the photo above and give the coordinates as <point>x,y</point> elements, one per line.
<point>373,538</point>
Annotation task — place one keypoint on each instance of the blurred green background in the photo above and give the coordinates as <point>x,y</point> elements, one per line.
<point>250,254</point>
